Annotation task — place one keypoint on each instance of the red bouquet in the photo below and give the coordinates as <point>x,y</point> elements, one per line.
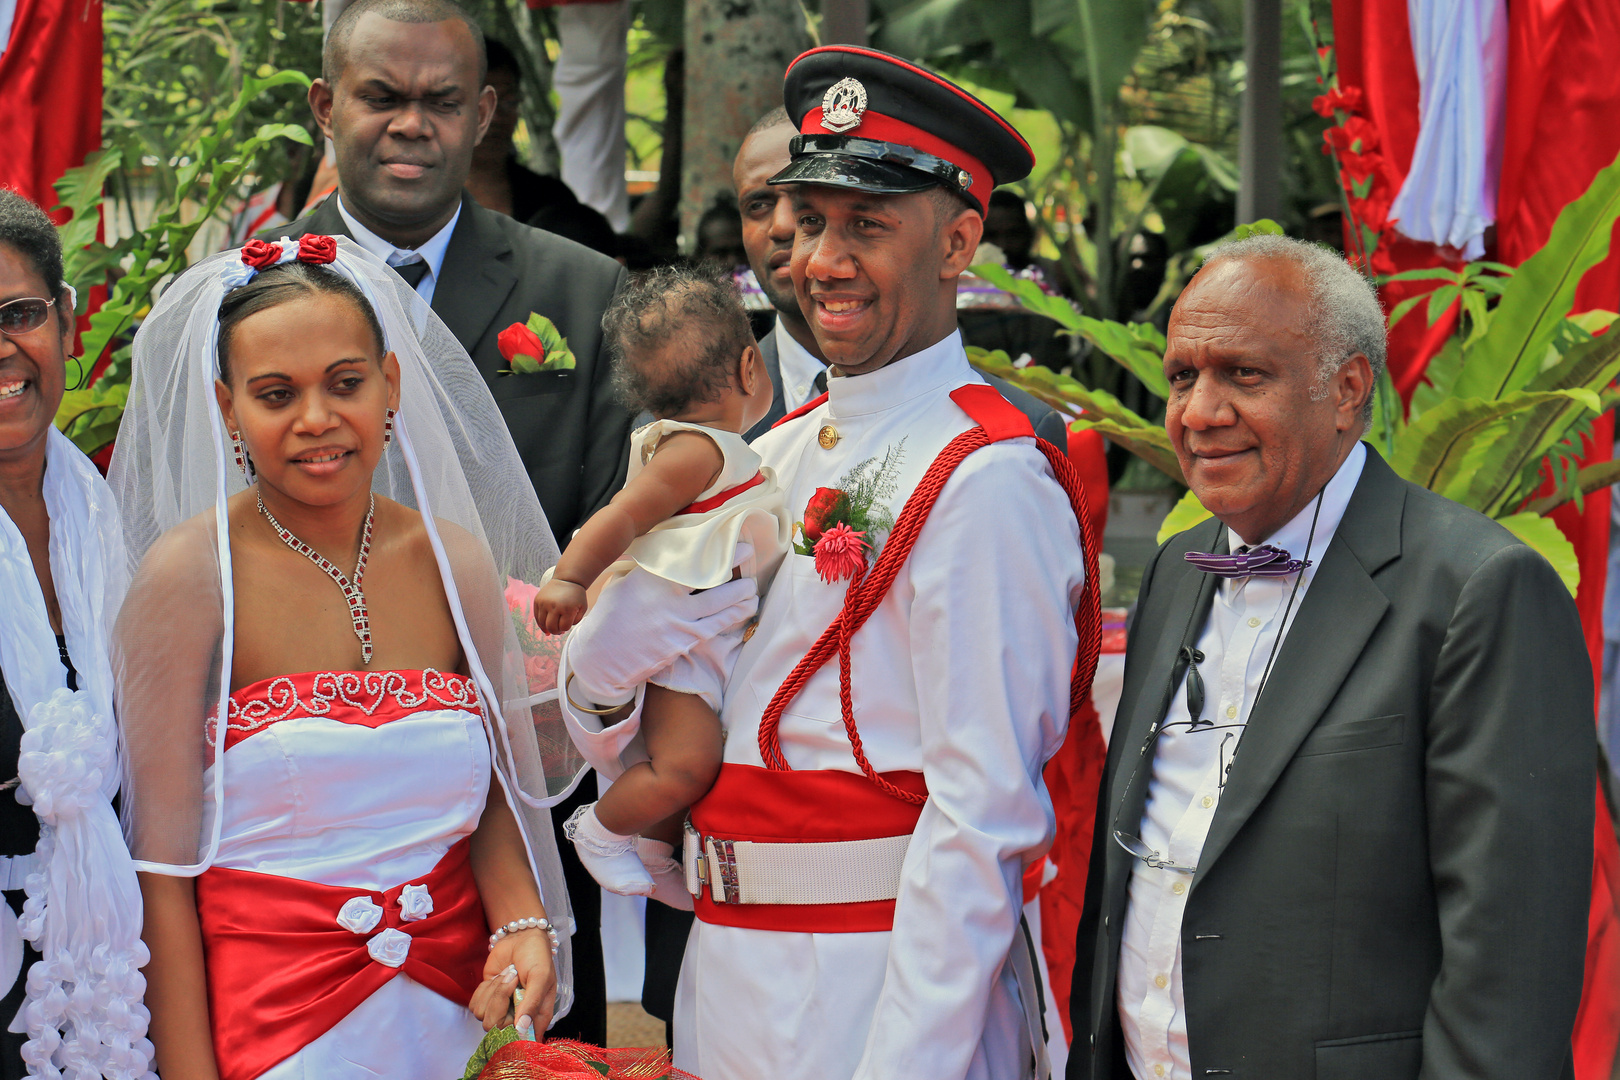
<point>563,1059</point>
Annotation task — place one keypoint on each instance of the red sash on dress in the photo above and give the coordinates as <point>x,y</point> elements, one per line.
<point>282,972</point>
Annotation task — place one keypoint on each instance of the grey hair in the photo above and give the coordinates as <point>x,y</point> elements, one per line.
<point>1344,315</point>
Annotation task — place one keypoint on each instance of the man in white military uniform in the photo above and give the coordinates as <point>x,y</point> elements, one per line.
<point>858,867</point>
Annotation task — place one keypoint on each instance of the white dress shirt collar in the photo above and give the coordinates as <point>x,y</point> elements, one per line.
<point>797,367</point>
<point>431,250</point>
<point>944,362</point>
<point>1292,537</point>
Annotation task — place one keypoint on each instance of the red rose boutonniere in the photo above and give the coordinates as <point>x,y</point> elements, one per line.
<point>841,524</point>
<point>534,346</point>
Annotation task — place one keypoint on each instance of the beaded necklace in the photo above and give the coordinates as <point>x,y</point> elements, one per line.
<point>351,589</point>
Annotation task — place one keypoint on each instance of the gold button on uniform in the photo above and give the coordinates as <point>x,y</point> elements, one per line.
<point>1231,712</point>
<point>828,437</point>
<point>1161,982</point>
<point>748,633</point>
<point>1158,1070</point>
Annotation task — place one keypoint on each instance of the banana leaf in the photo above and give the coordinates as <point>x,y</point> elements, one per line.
<point>1183,516</point>
<point>1546,537</point>
<point>1103,412</point>
<point>1476,451</point>
<point>1537,298</point>
<point>1592,478</point>
<point>1138,347</point>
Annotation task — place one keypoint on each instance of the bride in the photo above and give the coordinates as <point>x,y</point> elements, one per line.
<point>337,767</point>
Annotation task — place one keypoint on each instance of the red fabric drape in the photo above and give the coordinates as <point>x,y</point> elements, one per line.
<point>1559,131</point>
<point>50,83</point>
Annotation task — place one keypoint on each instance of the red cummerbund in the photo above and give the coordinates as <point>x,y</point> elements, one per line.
<point>748,802</point>
<point>282,970</point>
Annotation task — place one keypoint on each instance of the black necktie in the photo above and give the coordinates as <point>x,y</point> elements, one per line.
<point>413,272</point>
<point>820,382</point>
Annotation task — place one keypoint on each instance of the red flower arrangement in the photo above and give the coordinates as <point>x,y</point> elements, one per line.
<point>840,524</point>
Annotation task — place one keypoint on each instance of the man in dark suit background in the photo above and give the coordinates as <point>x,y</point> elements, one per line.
<point>1343,830</point>
<point>798,370</point>
<point>404,100</point>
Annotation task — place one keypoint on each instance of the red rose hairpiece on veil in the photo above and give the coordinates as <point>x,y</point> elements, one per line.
<point>261,255</point>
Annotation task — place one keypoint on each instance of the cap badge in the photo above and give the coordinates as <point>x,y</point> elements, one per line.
<point>843,105</point>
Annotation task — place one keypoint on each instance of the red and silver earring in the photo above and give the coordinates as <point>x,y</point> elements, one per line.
<point>388,429</point>
<point>243,461</point>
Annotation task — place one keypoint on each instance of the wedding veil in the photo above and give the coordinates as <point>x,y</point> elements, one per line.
<point>451,458</point>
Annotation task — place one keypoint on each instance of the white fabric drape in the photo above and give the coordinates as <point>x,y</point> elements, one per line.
<point>83,1012</point>
<point>1449,196</point>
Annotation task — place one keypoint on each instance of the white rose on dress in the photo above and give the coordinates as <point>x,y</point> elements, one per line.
<point>415,903</point>
<point>359,915</point>
<point>390,947</point>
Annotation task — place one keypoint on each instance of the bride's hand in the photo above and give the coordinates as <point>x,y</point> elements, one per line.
<point>522,959</point>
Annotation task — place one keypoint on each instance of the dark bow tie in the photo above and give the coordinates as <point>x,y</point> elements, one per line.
<point>1262,561</point>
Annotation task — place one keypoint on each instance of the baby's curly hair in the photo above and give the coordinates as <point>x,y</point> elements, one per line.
<point>676,334</point>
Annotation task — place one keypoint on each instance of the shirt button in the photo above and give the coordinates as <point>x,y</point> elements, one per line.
<point>1254,622</point>
<point>1161,982</point>
<point>1231,712</point>
<point>1179,887</point>
<point>1209,801</point>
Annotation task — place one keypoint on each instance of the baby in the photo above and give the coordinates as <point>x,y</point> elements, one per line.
<point>683,352</point>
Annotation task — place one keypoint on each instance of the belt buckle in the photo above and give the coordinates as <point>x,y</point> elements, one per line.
<point>712,862</point>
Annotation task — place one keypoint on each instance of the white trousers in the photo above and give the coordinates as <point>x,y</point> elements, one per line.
<point>589,79</point>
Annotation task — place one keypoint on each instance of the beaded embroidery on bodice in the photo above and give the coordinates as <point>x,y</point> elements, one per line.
<point>369,698</point>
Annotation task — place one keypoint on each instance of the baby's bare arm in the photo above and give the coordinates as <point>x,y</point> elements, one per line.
<point>684,465</point>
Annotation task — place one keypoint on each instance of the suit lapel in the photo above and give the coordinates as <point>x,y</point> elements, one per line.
<point>1340,611</point>
<point>1188,610</point>
<point>476,277</point>
<point>325,220</point>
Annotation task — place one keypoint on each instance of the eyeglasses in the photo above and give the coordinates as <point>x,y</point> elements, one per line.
<point>1136,847</point>
<point>18,317</point>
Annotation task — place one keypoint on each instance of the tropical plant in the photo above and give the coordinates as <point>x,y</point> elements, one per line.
<point>212,171</point>
<point>1502,413</point>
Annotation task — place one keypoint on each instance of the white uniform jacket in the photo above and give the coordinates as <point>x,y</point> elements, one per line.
<point>962,674</point>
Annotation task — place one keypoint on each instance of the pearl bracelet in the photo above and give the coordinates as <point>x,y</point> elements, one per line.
<point>531,923</point>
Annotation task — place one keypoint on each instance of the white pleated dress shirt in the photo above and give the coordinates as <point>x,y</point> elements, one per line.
<point>1189,767</point>
<point>431,251</point>
<point>961,673</point>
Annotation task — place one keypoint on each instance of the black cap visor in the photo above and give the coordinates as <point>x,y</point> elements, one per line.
<point>859,173</point>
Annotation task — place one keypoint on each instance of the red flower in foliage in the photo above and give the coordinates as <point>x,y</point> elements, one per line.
<point>819,514</point>
<point>518,340</point>
<point>261,255</point>
<point>1357,135</point>
<point>315,248</point>
<point>1345,100</point>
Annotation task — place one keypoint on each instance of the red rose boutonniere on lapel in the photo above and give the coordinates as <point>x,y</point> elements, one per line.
<point>534,346</point>
<point>841,524</point>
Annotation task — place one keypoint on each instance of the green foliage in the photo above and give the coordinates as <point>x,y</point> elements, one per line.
<point>492,1041</point>
<point>1183,516</point>
<point>1508,400</point>
<point>213,171</point>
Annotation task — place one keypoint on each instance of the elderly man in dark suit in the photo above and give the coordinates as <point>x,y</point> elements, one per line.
<point>404,100</point>
<point>795,362</point>
<point>1343,830</point>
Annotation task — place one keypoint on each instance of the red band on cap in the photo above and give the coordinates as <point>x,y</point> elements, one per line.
<point>925,73</point>
<point>875,125</point>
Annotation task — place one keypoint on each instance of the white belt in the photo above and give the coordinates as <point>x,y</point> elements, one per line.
<point>15,869</point>
<point>822,872</point>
